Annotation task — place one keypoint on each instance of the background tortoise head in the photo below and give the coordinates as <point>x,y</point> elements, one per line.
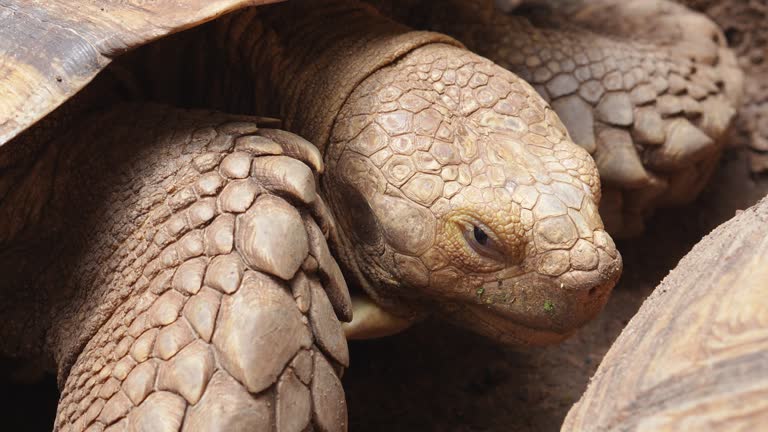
<point>458,190</point>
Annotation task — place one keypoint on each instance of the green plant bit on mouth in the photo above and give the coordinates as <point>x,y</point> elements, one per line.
<point>549,306</point>
<point>480,291</point>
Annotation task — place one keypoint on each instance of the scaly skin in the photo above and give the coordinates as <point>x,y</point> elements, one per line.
<point>648,88</point>
<point>208,261</point>
<point>427,142</point>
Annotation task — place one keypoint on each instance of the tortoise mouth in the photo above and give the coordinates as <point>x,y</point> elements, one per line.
<point>500,327</point>
<point>534,309</point>
<point>558,310</point>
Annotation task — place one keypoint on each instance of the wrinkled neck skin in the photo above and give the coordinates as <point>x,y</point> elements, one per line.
<point>456,188</point>
<point>304,73</point>
<point>306,61</point>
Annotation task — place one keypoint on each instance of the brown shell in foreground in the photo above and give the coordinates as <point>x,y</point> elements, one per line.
<point>695,357</point>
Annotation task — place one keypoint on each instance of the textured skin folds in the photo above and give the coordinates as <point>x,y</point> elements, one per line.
<point>188,304</point>
<point>648,88</point>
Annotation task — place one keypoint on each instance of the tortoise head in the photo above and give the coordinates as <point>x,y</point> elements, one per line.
<point>458,191</point>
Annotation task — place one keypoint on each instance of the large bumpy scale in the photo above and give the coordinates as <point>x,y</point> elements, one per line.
<point>225,299</point>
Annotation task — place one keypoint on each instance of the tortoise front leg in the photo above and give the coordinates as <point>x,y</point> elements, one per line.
<point>211,291</point>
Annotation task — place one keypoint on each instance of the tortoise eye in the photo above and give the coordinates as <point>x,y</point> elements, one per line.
<point>480,236</point>
<point>482,242</point>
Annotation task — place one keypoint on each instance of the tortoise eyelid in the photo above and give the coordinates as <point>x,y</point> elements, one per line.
<point>489,248</point>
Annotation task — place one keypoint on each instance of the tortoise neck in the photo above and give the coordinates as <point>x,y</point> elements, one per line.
<point>306,60</point>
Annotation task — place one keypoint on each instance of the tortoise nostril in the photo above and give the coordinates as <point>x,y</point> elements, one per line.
<point>592,291</point>
<point>733,36</point>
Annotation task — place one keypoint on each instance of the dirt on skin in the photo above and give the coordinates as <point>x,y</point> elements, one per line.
<point>435,377</point>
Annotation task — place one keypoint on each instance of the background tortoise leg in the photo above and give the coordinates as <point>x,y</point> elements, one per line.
<point>743,23</point>
<point>218,309</point>
<point>653,119</point>
<point>664,22</point>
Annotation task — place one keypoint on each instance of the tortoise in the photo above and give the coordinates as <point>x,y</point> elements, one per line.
<point>173,263</point>
<point>698,344</point>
